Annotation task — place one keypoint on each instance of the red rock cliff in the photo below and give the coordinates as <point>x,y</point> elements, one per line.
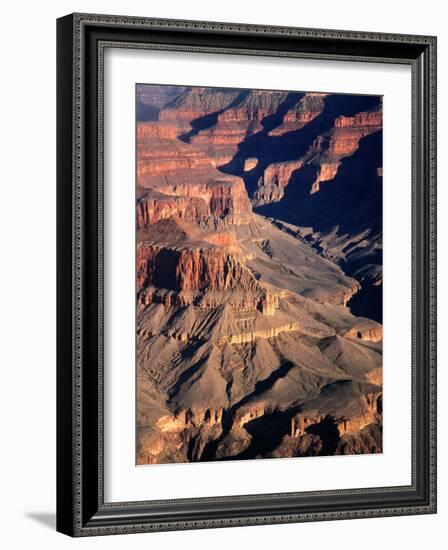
<point>342,141</point>
<point>303,112</point>
<point>191,268</point>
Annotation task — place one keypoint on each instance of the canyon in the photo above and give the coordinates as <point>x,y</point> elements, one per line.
<point>258,274</point>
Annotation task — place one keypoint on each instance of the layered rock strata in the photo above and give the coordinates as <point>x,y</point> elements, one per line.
<point>246,346</point>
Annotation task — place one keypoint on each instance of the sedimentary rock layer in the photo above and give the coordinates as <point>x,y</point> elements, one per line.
<point>246,343</point>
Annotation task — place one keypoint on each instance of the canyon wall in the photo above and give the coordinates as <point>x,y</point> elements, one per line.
<point>257,226</point>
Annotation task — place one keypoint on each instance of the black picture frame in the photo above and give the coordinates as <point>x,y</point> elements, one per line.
<point>81,510</point>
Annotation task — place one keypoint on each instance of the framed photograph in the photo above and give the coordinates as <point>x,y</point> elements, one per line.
<point>246,274</point>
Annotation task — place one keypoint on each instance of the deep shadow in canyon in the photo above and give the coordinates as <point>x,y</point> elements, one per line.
<point>351,202</point>
<point>259,275</point>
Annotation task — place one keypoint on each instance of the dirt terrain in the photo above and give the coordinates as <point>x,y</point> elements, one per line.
<point>259,274</point>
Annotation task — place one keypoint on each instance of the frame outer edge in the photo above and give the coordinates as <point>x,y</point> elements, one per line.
<point>433,273</point>
<point>70,510</point>
<point>222,26</point>
<point>65,371</point>
<point>77,220</point>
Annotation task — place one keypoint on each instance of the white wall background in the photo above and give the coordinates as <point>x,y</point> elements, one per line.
<point>27,273</point>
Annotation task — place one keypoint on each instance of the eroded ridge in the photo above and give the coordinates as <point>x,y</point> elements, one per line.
<point>247,345</point>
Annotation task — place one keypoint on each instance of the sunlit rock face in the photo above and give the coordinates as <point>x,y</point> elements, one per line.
<point>300,113</point>
<point>258,226</point>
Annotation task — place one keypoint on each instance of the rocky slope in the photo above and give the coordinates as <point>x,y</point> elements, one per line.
<point>246,346</point>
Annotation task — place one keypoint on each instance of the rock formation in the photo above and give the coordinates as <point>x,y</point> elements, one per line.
<point>246,342</point>
<point>300,113</point>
